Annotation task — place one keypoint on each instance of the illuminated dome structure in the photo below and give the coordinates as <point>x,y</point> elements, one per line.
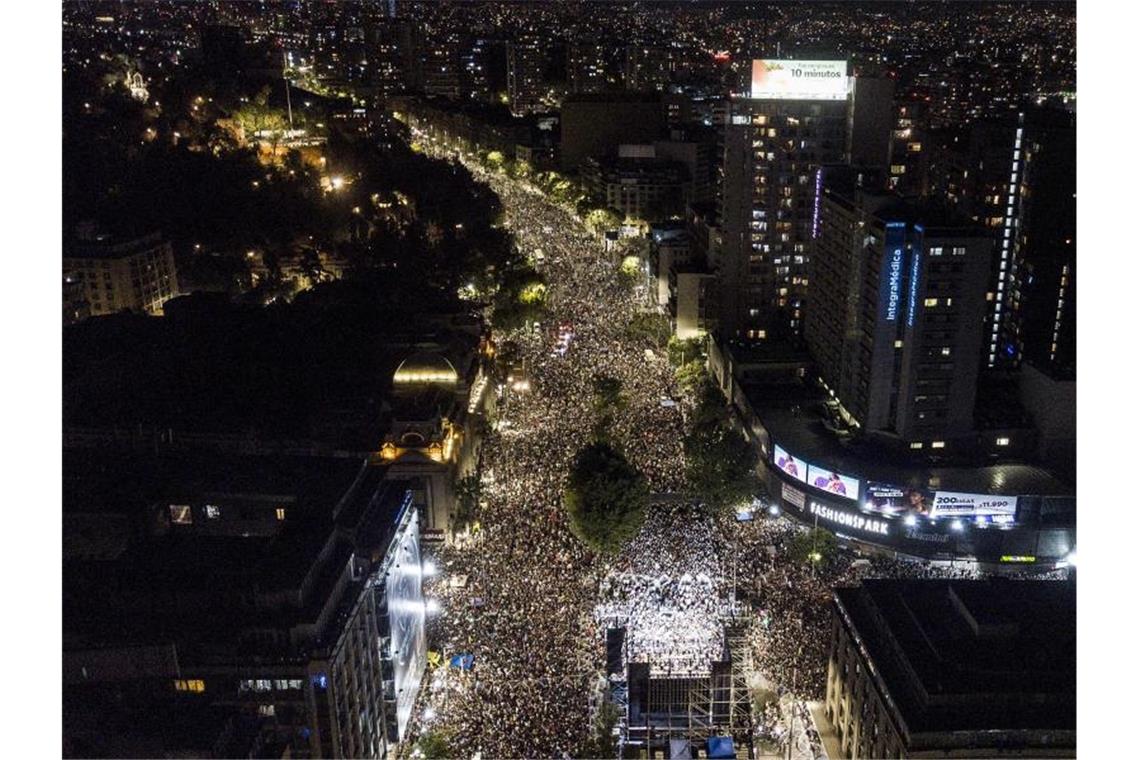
<point>425,368</point>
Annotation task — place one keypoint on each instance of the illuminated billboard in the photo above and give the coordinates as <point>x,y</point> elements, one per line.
<point>954,504</point>
<point>887,499</point>
<point>406,612</point>
<point>799,80</point>
<point>833,482</point>
<point>797,468</point>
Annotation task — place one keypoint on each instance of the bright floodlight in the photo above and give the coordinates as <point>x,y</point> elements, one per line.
<point>433,606</point>
<point>910,520</point>
<point>337,183</point>
<point>1071,559</point>
<point>429,568</point>
<point>956,525</point>
<point>773,510</point>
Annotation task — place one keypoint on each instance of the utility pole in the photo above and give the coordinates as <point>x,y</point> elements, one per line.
<point>288,100</point>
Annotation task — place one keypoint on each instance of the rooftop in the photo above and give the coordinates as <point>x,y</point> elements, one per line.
<point>804,435</point>
<point>971,655</point>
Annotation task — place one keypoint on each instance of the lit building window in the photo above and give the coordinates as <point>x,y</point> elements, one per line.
<point>181,514</point>
<point>1002,441</point>
<point>266,710</point>
<point>898,344</point>
<point>195,685</point>
<point>930,302</point>
<point>938,444</point>
<point>213,511</point>
<point>946,350</point>
<point>280,513</point>
<point>916,445</point>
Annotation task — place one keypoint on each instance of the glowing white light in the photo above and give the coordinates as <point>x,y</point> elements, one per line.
<point>910,520</point>
<point>956,525</point>
<point>429,568</point>
<point>433,606</point>
<point>773,510</point>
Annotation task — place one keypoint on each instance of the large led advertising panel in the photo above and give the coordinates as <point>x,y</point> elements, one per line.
<point>888,499</point>
<point>799,80</point>
<point>406,612</point>
<point>790,465</point>
<point>954,504</point>
<point>833,482</point>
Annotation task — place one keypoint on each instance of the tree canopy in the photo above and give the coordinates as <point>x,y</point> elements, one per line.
<point>605,498</point>
<point>720,465</point>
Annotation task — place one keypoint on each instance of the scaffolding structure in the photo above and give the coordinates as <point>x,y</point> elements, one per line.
<point>690,706</point>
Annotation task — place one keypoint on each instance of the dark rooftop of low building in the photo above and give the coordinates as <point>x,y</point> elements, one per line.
<point>971,655</point>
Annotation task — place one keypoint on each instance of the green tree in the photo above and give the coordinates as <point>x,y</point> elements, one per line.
<point>467,492</point>
<point>649,328</point>
<point>605,498</point>
<point>601,743</point>
<point>683,351</point>
<point>813,547</point>
<point>435,744</point>
<point>601,219</point>
<point>720,467</point>
<point>607,393</point>
<point>692,376</point>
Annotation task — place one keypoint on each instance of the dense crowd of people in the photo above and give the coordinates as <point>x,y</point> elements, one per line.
<point>527,609</point>
<point>536,604</point>
<point>668,590</point>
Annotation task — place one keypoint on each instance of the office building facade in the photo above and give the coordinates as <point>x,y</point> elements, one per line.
<point>895,323</point>
<point>774,142</point>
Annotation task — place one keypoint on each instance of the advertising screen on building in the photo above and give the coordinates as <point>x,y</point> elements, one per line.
<point>833,482</point>
<point>887,499</point>
<point>406,610</point>
<point>954,504</point>
<point>799,80</point>
<point>797,468</point>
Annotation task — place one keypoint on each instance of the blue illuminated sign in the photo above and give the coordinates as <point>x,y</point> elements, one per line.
<point>893,270</point>
<point>915,273</point>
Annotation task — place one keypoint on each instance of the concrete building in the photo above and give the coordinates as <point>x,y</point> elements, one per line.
<point>954,669</point>
<point>774,143</point>
<point>278,600</point>
<point>526,60</point>
<point>895,324</point>
<point>646,188</point>
<point>869,133</point>
<point>595,125</point>
<point>909,151</point>
<point>129,275</point>
<point>1017,178</point>
<point>592,67</point>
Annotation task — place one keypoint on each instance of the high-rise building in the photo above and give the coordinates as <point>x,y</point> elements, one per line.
<point>525,84</point>
<point>648,67</point>
<point>129,275</point>
<point>895,321</point>
<point>592,68</point>
<point>795,119</point>
<point>1017,177</point>
<point>597,124</point>
<point>909,151</point>
<point>869,133</point>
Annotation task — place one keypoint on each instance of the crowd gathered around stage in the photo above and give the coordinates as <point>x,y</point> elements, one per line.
<point>534,604</point>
